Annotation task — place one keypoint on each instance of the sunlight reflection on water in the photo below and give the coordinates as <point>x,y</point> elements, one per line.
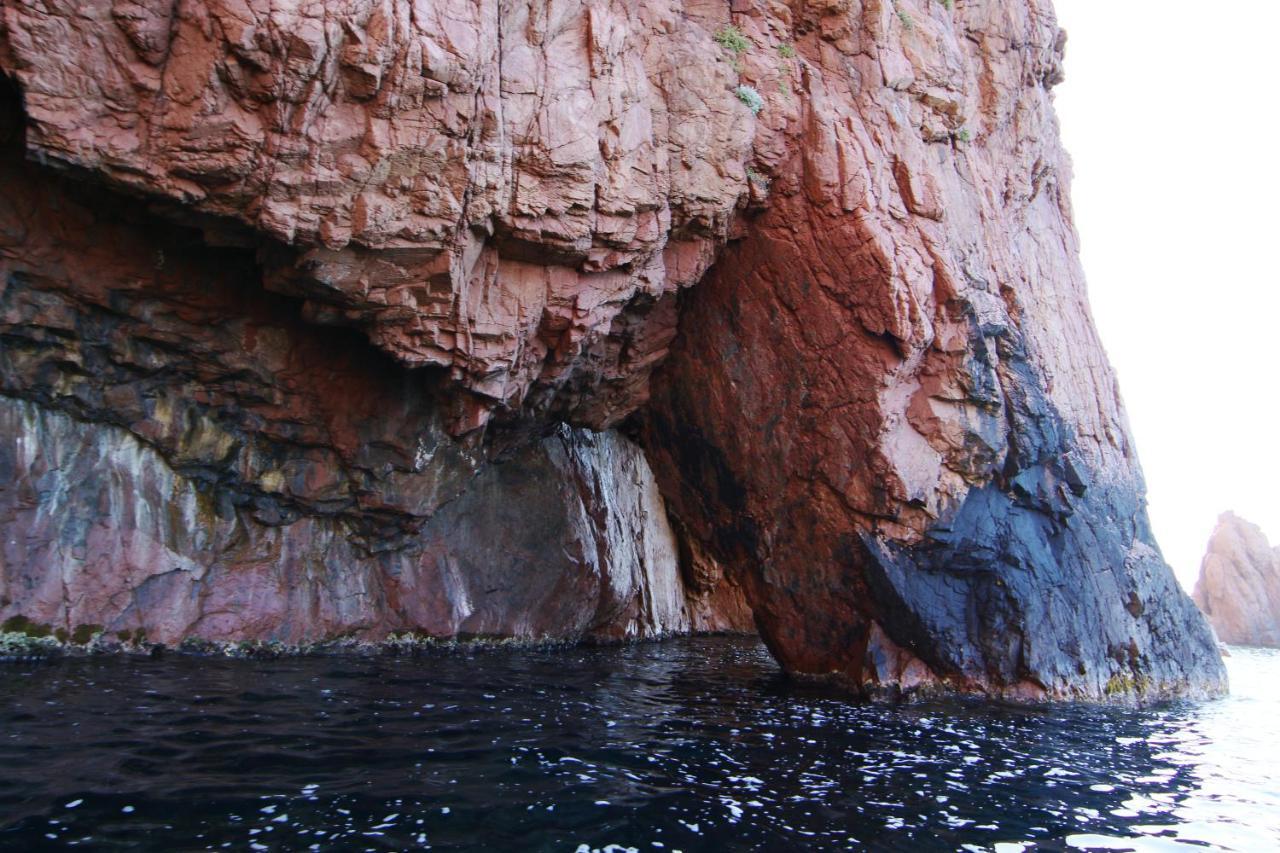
<point>689,745</point>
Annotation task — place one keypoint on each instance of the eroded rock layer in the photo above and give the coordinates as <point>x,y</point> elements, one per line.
<point>181,456</point>
<point>397,255</point>
<point>488,186</point>
<point>1239,584</point>
<point>567,541</point>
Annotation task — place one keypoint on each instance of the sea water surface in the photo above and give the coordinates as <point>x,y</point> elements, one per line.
<point>687,745</point>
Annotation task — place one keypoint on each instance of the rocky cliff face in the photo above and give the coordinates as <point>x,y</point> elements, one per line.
<point>349,283</point>
<point>893,387</point>
<point>185,457</point>
<point>1239,584</point>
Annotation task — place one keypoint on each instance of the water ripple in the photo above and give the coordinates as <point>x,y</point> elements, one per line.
<point>689,745</point>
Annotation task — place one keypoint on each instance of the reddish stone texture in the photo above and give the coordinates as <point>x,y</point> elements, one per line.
<point>885,415</point>
<point>482,186</point>
<point>887,404</point>
<point>182,455</point>
<point>1239,584</point>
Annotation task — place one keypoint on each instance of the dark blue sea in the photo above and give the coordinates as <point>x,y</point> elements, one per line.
<point>693,745</point>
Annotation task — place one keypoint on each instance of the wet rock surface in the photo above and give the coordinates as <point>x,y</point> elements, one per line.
<point>356,277</point>
<point>1239,584</point>
<point>567,540</point>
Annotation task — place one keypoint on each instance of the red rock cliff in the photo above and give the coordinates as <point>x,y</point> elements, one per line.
<point>883,414</point>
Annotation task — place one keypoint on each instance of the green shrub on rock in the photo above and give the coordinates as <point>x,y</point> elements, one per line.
<point>731,39</point>
<point>749,96</point>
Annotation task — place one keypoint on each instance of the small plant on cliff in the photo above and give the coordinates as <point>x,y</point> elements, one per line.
<point>758,180</point>
<point>749,96</point>
<point>963,134</point>
<point>908,22</point>
<point>788,53</point>
<point>947,4</point>
<point>731,39</point>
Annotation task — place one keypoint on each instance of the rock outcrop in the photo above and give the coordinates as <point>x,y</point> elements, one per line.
<point>350,284</point>
<point>891,388</point>
<point>182,456</point>
<point>1239,584</point>
<point>502,190</point>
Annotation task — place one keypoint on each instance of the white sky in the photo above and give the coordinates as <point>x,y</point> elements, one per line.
<point>1169,111</point>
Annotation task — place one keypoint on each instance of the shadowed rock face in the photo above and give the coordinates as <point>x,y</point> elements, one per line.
<point>883,415</point>
<point>566,541</point>
<point>181,454</point>
<point>1239,584</point>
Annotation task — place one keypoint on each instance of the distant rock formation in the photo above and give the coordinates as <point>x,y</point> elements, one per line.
<point>1239,584</point>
